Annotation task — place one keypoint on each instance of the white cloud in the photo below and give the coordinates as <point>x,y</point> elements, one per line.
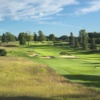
<point>94,5</point>
<point>31,9</point>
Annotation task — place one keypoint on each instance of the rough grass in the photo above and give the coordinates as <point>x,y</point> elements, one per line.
<point>23,79</point>
<point>81,69</point>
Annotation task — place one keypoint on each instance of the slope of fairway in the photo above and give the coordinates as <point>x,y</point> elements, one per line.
<point>85,68</point>
<point>22,79</point>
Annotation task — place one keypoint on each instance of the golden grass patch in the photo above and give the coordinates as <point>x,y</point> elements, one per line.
<point>21,77</point>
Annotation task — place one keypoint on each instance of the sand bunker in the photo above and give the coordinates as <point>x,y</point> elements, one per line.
<point>66,56</point>
<point>47,57</point>
<point>33,55</point>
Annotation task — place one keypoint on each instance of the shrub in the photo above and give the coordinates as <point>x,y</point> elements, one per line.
<point>3,52</point>
<point>64,53</point>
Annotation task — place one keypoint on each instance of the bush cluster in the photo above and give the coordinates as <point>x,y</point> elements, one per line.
<point>3,52</point>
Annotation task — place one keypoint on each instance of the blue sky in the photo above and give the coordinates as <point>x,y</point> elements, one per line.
<point>59,17</point>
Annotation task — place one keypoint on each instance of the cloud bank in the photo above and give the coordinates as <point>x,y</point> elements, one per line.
<point>31,9</point>
<point>93,6</point>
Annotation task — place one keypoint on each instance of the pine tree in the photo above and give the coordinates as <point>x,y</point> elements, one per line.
<point>71,39</point>
<point>80,38</point>
<point>28,37</point>
<point>41,36</point>
<point>3,38</point>
<point>77,45</point>
<point>22,38</point>
<point>92,44</point>
<point>83,38</point>
<point>35,37</point>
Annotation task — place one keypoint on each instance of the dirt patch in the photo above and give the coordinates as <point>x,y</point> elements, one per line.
<point>66,56</point>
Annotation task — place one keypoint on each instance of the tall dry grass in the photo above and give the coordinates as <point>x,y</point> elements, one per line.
<point>20,77</point>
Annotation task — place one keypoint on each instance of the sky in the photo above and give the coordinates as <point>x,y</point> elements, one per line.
<point>59,17</point>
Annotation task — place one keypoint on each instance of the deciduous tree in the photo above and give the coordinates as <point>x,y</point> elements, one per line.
<point>51,37</point>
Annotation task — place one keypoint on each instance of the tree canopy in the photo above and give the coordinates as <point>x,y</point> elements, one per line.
<point>51,37</point>
<point>35,37</point>
<point>41,36</point>
<point>22,38</point>
<point>71,39</point>
<point>7,37</point>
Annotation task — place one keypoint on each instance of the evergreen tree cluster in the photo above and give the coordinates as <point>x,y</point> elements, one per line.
<point>83,40</point>
<point>95,35</point>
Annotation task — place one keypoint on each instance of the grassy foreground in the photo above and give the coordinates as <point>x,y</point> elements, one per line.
<point>24,76</point>
<point>21,79</point>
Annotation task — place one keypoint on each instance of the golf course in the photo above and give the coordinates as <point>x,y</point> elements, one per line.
<point>39,71</point>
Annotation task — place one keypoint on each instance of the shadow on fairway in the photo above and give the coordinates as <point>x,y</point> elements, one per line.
<point>94,65</point>
<point>89,52</point>
<point>88,80</point>
<point>58,97</point>
<point>31,46</point>
<point>23,98</point>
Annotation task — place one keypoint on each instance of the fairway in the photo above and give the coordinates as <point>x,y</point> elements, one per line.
<point>85,68</point>
<point>37,72</point>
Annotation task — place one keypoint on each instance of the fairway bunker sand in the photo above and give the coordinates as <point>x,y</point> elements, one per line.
<point>66,56</point>
<point>33,55</point>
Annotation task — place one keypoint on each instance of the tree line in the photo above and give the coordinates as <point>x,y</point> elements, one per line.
<point>24,37</point>
<point>85,39</point>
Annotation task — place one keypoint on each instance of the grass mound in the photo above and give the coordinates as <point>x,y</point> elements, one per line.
<point>64,53</point>
<point>21,79</point>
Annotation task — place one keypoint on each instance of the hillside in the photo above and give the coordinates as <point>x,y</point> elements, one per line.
<point>21,79</point>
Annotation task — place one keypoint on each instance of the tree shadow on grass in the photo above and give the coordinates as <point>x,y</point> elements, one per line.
<point>94,65</point>
<point>89,52</point>
<point>23,98</point>
<point>95,96</point>
<point>58,97</point>
<point>88,80</point>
